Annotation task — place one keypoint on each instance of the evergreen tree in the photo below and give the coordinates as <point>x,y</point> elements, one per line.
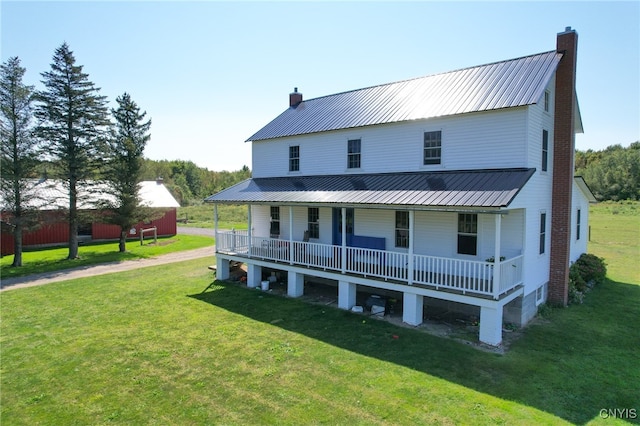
<point>73,119</point>
<point>124,167</point>
<point>19,157</point>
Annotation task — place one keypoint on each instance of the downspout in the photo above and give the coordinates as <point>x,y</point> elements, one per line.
<point>411,249</point>
<point>249,233</point>
<point>290,235</point>
<point>497,263</point>
<point>344,240</point>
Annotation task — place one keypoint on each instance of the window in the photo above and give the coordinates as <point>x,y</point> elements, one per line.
<point>547,100</point>
<point>433,147</point>
<point>353,153</point>
<point>275,222</point>
<point>294,158</point>
<point>545,150</point>
<point>313,216</point>
<point>578,219</point>
<point>539,295</point>
<point>467,233</point>
<point>402,229</point>
<point>543,231</point>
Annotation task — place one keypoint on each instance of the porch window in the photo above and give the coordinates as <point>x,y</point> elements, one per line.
<point>433,147</point>
<point>578,219</point>
<point>468,233</point>
<point>545,150</point>
<point>274,230</point>
<point>353,153</point>
<point>543,231</point>
<point>294,158</point>
<point>402,229</point>
<point>313,216</point>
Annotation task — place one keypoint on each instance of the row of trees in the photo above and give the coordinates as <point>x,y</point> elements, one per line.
<point>613,173</point>
<point>68,126</point>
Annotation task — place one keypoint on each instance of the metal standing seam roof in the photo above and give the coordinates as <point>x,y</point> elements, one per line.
<point>511,83</point>
<point>460,189</point>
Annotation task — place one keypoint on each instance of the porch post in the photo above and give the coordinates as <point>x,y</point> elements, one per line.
<point>249,233</point>
<point>346,295</point>
<point>254,275</point>
<point>215,226</point>
<point>497,267</point>
<point>290,235</point>
<point>491,325</point>
<point>344,240</point>
<point>412,306</point>
<point>411,240</point>
<point>295,284</point>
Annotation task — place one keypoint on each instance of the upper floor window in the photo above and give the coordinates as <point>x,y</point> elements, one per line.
<point>543,232</point>
<point>294,158</point>
<point>467,233</point>
<point>402,229</point>
<point>433,147</point>
<point>545,150</point>
<point>547,100</point>
<point>274,230</point>
<point>313,217</point>
<point>578,219</point>
<point>353,153</point>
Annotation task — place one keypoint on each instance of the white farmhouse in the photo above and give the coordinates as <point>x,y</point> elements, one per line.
<point>454,188</point>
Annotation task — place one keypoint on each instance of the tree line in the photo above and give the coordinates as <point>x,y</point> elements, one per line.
<point>612,173</point>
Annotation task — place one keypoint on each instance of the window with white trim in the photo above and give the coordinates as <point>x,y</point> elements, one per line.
<point>402,229</point>
<point>313,222</point>
<point>578,224</point>
<point>547,100</point>
<point>545,150</point>
<point>543,232</point>
<point>539,295</point>
<point>354,147</point>
<point>432,147</point>
<point>294,158</point>
<point>467,233</point>
<point>274,229</point>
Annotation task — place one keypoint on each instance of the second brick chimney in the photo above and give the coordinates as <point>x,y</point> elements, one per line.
<point>563,167</point>
<point>295,97</point>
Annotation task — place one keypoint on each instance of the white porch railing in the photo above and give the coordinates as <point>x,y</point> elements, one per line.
<point>466,276</point>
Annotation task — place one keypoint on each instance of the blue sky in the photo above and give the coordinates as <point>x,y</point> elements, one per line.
<point>210,73</point>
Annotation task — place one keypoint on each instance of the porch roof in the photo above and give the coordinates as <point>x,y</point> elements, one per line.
<point>493,188</point>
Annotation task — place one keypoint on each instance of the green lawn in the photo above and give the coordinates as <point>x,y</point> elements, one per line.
<point>148,347</point>
<point>229,216</point>
<point>54,259</point>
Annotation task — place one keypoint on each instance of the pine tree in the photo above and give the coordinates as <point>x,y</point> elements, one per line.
<point>19,155</point>
<point>74,119</point>
<point>128,139</point>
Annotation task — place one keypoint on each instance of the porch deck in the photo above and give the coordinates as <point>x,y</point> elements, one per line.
<point>475,278</point>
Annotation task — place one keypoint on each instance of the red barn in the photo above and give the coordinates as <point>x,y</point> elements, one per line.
<point>54,229</point>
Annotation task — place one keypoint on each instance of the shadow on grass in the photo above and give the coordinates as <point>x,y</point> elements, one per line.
<point>573,364</point>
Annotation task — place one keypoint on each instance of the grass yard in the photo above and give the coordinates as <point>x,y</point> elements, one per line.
<point>48,260</point>
<point>148,347</point>
<point>229,216</point>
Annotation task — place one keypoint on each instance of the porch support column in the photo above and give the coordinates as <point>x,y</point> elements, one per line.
<point>346,295</point>
<point>222,268</point>
<point>411,240</point>
<point>215,226</point>
<point>249,233</point>
<point>295,284</point>
<point>412,306</point>
<point>496,258</point>
<point>343,259</point>
<point>254,275</point>
<point>290,235</point>
<point>491,325</point>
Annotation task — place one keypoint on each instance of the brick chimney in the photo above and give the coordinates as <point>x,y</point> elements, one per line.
<point>295,97</point>
<point>563,167</point>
